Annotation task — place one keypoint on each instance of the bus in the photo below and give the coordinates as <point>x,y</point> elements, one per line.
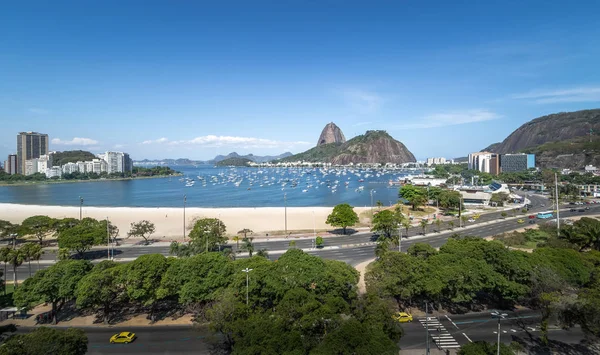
<point>545,215</point>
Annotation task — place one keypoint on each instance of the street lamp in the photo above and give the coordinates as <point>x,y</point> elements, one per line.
<point>80,206</point>
<point>206,233</point>
<point>13,236</point>
<point>184,201</point>
<point>285,210</point>
<point>399,237</point>
<point>107,241</point>
<point>247,271</point>
<point>499,316</point>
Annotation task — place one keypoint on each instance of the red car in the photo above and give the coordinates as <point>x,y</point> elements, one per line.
<point>531,217</point>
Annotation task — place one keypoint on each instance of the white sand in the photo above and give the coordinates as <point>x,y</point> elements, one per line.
<point>169,221</point>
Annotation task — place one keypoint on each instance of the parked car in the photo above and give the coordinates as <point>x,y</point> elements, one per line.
<point>520,221</point>
<point>532,221</point>
<point>572,210</point>
<point>531,217</point>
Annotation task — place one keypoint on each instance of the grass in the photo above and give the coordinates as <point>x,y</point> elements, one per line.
<point>7,300</point>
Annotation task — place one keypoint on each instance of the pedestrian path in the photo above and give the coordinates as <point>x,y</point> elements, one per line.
<point>441,337</point>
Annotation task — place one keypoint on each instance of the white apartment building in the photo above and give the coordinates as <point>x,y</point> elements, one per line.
<point>31,166</point>
<point>81,166</point>
<point>44,162</point>
<point>99,166</point>
<point>436,161</point>
<point>89,166</point>
<point>117,162</point>
<point>70,168</point>
<point>54,171</point>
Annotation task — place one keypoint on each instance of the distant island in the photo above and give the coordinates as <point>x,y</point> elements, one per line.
<point>234,162</point>
<point>137,173</point>
<point>214,161</point>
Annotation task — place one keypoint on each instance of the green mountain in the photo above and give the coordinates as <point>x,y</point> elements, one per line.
<point>71,156</point>
<point>369,148</point>
<point>235,161</point>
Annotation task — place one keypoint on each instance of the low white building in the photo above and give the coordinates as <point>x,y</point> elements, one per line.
<point>81,166</point>
<point>54,171</point>
<point>70,168</point>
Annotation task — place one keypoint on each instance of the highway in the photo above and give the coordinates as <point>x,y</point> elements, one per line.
<point>352,249</point>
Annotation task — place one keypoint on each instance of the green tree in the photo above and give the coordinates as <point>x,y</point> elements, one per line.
<point>449,199</point>
<point>406,224</point>
<point>438,224</point>
<point>451,225</point>
<point>30,251</point>
<point>208,233</point>
<point>40,226</point>
<point>585,233</point>
<point>263,253</point>
<point>343,216</point>
<point>503,215</point>
<point>5,258</point>
<point>82,236</point>
<point>385,222</point>
<point>15,257</point>
<point>423,224</point>
<point>142,278</point>
<point>71,341</point>
<point>382,247</point>
<point>248,245</point>
<point>292,244</point>
<point>55,285</point>
<point>416,195</point>
<point>353,337</point>
<point>464,220</point>
<point>142,229</point>
<point>9,230</point>
<point>421,250</point>
<point>101,290</point>
<point>244,231</point>
<point>319,241</point>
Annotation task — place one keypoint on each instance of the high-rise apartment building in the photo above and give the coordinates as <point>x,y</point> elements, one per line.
<point>10,165</point>
<point>30,145</point>
<point>117,162</point>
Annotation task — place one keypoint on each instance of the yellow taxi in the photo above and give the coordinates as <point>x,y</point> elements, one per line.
<point>123,337</point>
<point>520,221</point>
<point>402,317</point>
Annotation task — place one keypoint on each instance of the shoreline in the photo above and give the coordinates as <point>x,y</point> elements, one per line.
<point>169,221</point>
<point>51,182</point>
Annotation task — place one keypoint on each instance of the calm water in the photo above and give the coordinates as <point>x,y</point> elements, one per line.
<point>221,187</point>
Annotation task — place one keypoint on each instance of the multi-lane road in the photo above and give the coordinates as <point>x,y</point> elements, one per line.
<point>352,249</point>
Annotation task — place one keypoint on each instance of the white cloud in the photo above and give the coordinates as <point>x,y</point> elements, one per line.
<point>364,102</point>
<point>227,141</point>
<point>37,111</point>
<point>452,118</point>
<point>580,94</point>
<point>75,141</point>
<point>156,141</point>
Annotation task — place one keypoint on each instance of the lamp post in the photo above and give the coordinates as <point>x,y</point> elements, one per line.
<point>557,207</point>
<point>499,316</point>
<point>285,210</point>
<point>399,237</point>
<point>80,206</point>
<point>184,202</point>
<point>108,241</point>
<point>13,236</point>
<point>247,271</point>
<point>206,233</point>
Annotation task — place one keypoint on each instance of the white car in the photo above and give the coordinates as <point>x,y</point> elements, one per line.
<point>471,220</point>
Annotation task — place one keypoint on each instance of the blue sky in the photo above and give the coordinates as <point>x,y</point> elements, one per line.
<point>168,79</point>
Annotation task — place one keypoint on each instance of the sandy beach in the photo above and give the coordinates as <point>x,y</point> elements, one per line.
<point>169,221</point>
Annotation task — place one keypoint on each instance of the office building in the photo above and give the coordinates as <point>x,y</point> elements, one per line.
<point>10,165</point>
<point>30,145</point>
<point>512,163</point>
<point>485,162</point>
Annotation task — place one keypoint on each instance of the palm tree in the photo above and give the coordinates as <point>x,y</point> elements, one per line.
<point>16,258</point>
<point>438,224</point>
<point>27,254</point>
<point>237,239</point>
<point>263,252</point>
<point>4,252</point>
<point>248,246</point>
<point>423,225</point>
<point>36,254</point>
<point>406,225</point>
<point>379,204</point>
<point>292,244</point>
<point>245,232</point>
<point>229,254</point>
<point>464,219</point>
<point>451,224</point>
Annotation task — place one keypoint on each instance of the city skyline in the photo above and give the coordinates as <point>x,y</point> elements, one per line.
<point>198,80</point>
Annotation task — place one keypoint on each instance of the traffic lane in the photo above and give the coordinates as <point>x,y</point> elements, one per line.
<point>150,340</point>
<point>414,336</point>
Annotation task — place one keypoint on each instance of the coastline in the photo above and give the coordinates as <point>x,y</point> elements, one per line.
<point>169,220</point>
<point>52,182</point>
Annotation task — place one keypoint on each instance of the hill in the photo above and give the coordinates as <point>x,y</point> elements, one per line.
<point>557,127</point>
<point>234,161</point>
<point>370,148</point>
<point>71,156</point>
<point>252,157</point>
<point>572,154</point>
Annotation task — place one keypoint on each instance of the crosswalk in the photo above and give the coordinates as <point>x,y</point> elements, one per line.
<point>441,337</point>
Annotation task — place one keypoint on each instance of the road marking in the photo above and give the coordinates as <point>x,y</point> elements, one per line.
<point>512,330</point>
<point>454,324</point>
<point>504,331</point>
<point>469,339</point>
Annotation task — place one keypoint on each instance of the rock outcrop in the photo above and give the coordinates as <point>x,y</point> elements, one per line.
<point>331,134</point>
<point>369,148</point>
<point>551,128</point>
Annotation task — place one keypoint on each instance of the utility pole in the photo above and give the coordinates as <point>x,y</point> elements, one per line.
<point>80,206</point>
<point>108,240</point>
<point>399,237</point>
<point>427,325</point>
<point>184,201</point>
<point>557,207</point>
<point>285,210</point>
<point>247,271</point>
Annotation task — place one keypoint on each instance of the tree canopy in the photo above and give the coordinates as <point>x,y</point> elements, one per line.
<point>45,340</point>
<point>343,216</point>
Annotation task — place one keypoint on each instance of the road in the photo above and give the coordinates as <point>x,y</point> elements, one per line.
<point>352,249</point>
<point>524,327</point>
